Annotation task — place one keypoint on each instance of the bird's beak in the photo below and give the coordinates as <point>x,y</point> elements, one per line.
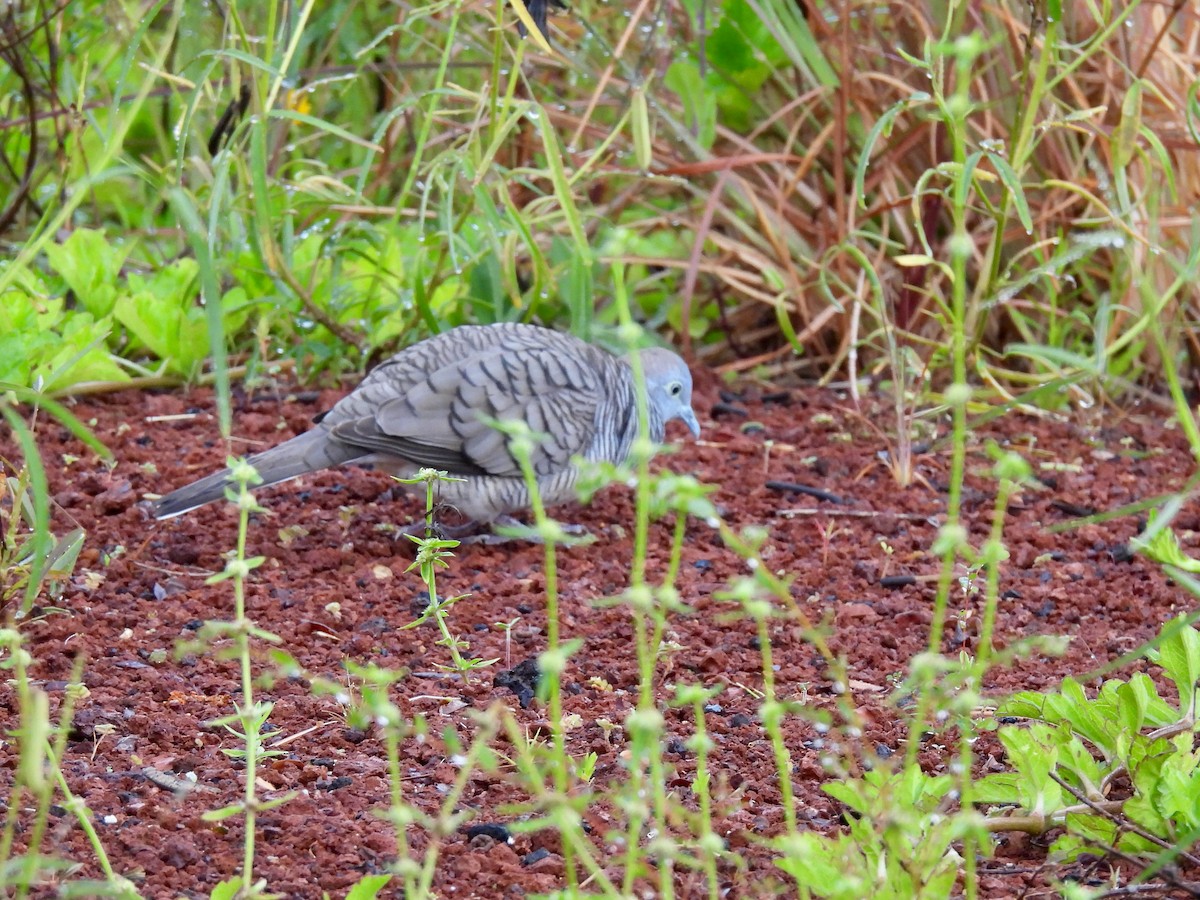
<point>689,419</point>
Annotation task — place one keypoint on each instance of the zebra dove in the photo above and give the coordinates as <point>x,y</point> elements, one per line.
<point>428,406</point>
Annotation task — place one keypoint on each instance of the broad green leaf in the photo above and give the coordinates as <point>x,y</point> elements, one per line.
<point>163,312</point>
<point>829,867</point>
<point>1084,832</point>
<point>1015,190</point>
<point>80,354</point>
<point>698,97</point>
<point>1071,705</point>
<point>368,887</point>
<point>1179,653</point>
<point>1033,752</point>
<point>91,266</point>
<point>226,890</point>
<point>1139,704</point>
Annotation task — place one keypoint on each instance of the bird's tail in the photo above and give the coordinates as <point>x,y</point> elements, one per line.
<point>309,452</point>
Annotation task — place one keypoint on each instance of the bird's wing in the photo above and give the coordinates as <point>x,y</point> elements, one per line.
<point>444,420</point>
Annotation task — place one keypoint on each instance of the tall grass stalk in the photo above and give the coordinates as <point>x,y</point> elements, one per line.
<point>1010,472</point>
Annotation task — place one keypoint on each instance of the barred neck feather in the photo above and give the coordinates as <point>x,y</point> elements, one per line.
<point>617,418</point>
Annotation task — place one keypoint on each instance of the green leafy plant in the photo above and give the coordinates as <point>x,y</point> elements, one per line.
<point>161,314</point>
<point>32,558</point>
<point>26,567</point>
<point>901,842</point>
<point>44,345</point>
<point>1117,770</point>
<point>90,265</point>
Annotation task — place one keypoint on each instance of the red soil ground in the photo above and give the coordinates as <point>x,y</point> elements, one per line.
<point>336,589</point>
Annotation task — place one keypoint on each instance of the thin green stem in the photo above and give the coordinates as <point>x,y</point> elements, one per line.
<point>551,533</point>
<point>392,745</point>
<point>246,711</point>
<point>700,786</point>
<point>772,723</point>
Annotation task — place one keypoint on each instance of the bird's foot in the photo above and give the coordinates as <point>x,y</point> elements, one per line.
<point>509,530</point>
<point>440,531</point>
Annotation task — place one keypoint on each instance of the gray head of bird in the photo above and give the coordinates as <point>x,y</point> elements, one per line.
<point>669,387</point>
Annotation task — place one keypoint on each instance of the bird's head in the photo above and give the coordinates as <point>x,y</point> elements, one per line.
<point>669,387</point>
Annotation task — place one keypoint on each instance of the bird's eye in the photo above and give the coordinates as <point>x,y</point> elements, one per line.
<point>675,388</point>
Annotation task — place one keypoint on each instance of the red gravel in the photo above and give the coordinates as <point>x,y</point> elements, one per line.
<point>336,589</point>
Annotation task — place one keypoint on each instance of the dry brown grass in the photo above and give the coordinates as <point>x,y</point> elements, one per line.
<point>779,230</point>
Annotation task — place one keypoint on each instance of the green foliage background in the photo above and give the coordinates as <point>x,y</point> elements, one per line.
<point>783,182</point>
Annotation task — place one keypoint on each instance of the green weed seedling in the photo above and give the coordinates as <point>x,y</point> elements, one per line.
<point>249,718</point>
<point>370,707</point>
<point>1159,543</point>
<point>507,628</point>
<point>433,553</point>
<point>27,568</point>
<point>33,564</point>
